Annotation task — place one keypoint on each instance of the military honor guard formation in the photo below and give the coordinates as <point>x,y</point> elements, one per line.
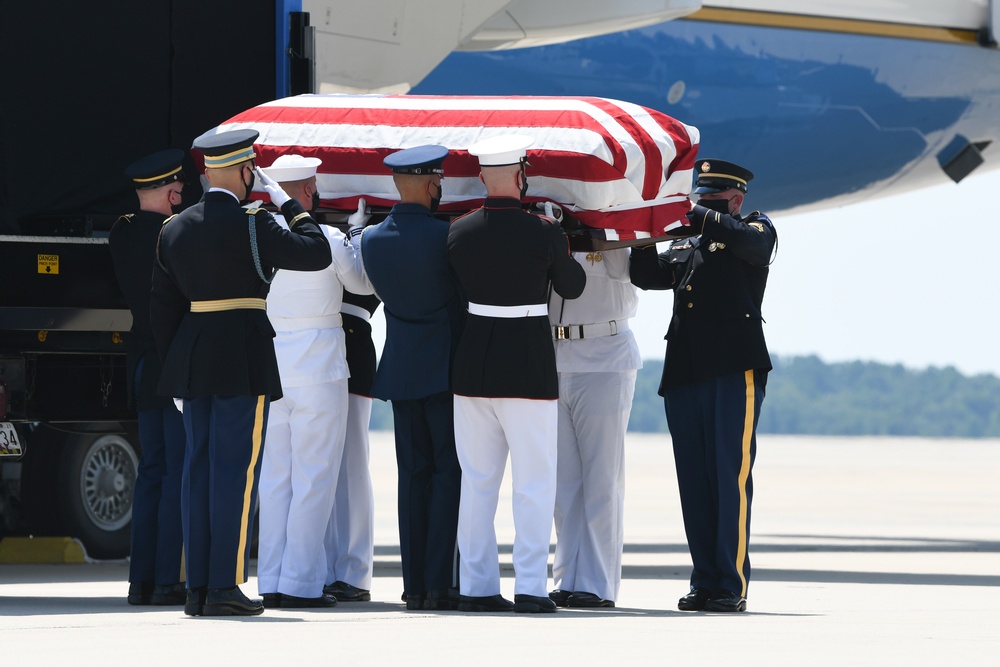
<point>253,371</point>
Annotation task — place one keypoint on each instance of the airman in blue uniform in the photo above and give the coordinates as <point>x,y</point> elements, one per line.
<point>405,257</point>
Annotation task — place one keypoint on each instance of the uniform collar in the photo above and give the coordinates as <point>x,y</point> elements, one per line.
<point>408,207</point>
<point>502,202</point>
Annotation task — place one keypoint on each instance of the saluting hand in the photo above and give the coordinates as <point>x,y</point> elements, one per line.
<point>278,196</point>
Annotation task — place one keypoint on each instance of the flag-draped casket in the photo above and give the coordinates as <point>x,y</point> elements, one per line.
<point>622,170</point>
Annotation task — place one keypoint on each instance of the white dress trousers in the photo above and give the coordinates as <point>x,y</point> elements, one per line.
<point>486,429</point>
<point>590,487</point>
<point>350,535</point>
<point>302,452</point>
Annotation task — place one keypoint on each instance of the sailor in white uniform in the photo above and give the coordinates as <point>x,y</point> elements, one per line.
<point>597,359</point>
<point>350,537</point>
<point>306,427</point>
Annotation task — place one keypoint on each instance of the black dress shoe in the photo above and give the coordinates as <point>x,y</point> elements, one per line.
<point>446,600</point>
<point>414,602</point>
<point>534,604</point>
<point>195,603</point>
<point>271,600</point>
<point>140,592</point>
<point>695,600</point>
<point>345,592</point>
<point>174,594</point>
<point>726,601</point>
<point>230,602</point>
<point>587,600</point>
<point>294,602</point>
<point>559,596</point>
<point>486,603</point>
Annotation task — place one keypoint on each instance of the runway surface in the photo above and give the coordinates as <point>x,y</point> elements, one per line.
<point>864,551</point>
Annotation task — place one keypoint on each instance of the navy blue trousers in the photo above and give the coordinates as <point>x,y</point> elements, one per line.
<point>157,547</point>
<point>713,427</point>
<point>225,439</point>
<point>430,482</point>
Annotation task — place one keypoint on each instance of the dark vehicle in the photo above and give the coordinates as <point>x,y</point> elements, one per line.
<point>79,105</point>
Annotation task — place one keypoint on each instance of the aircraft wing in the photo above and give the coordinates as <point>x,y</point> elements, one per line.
<point>388,46</point>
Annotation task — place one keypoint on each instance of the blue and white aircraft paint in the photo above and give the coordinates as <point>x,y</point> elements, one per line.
<point>829,102</point>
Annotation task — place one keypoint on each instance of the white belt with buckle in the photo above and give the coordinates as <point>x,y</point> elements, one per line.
<point>533,310</point>
<point>596,330</point>
<point>303,323</point>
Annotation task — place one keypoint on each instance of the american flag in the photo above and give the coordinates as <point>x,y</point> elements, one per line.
<point>612,165</point>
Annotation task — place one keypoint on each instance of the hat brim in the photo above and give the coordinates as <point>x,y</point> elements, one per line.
<point>289,174</point>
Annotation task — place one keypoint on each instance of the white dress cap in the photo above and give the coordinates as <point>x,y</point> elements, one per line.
<point>501,151</point>
<point>291,167</point>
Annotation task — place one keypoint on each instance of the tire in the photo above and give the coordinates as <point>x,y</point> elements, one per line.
<point>97,479</point>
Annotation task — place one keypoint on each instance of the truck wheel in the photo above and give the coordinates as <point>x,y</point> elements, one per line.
<point>97,479</point>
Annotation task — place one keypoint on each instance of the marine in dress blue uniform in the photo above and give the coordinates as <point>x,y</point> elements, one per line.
<point>156,571</point>
<point>405,257</point>
<point>207,309</point>
<point>714,375</point>
<point>505,379</point>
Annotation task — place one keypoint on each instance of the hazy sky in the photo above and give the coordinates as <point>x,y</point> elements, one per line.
<point>911,279</point>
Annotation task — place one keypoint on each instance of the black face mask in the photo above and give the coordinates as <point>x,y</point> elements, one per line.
<point>435,201</point>
<point>249,187</point>
<point>314,204</point>
<point>179,206</point>
<point>720,205</point>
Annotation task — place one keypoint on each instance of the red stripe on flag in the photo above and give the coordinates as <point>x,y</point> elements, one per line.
<point>653,161</point>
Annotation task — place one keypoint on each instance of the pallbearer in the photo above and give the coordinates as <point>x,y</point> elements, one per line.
<point>714,375</point>
<point>215,262</point>
<point>505,378</point>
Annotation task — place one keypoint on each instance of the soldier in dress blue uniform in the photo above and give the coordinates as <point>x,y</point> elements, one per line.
<point>214,265</point>
<point>405,257</point>
<point>714,375</point>
<point>505,381</point>
<point>156,572</point>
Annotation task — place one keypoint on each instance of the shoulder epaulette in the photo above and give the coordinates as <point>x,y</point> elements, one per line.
<point>127,217</point>
<point>254,211</point>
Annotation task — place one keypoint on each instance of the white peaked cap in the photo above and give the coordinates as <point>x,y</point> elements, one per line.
<point>501,151</point>
<point>288,168</point>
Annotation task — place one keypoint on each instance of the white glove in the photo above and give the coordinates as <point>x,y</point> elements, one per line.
<point>553,211</point>
<point>358,219</point>
<point>278,196</point>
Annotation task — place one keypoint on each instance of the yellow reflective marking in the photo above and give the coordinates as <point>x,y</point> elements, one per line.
<point>258,441</point>
<point>749,409</point>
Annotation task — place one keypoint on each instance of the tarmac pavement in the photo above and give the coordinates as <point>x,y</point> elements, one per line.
<point>864,550</point>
